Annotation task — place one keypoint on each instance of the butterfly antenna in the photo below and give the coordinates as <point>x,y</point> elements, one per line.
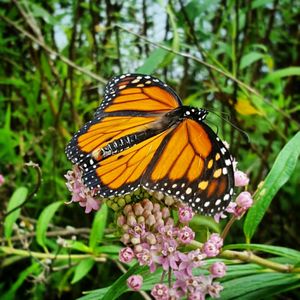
<point>226,119</point>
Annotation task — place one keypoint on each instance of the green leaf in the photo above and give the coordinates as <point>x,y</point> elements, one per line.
<point>77,245</point>
<point>98,227</point>
<point>155,58</point>
<point>17,198</point>
<point>280,173</point>
<point>276,250</point>
<point>250,58</point>
<point>238,288</point>
<point>10,294</point>
<point>82,269</point>
<point>290,71</point>
<point>43,222</point>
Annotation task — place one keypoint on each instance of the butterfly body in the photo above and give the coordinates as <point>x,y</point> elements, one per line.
<point>143,136</point>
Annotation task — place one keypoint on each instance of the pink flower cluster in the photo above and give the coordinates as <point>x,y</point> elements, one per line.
<point>80,193</point>
<point>154,240</point>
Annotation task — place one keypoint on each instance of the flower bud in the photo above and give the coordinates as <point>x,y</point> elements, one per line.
<point>218,269</point>
<point>127,209</point>
<point>135,282</point>
<point>151,239</point>
<point>138,209</point>
<point>141,220</point>
<point>125,238</point>
<point>186,235</point>
<point>147,204</point>
<point>121,220</point>
<point>185,214</point>
<point>156,207</point>
<point>210,249</point>
<point>165,212</point>
<point>126,255</point>
<point>150,220</point>
<point>244,200</point>
<point>135,240</point>
<point>169,200</point>
<point>131,220</point>
<point>240,178</point>
<point>160,291</point>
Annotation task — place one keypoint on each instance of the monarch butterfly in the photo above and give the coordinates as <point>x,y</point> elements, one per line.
<point>142,136</point>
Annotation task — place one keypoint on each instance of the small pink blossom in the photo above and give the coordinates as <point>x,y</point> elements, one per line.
<point>2,180</point>
<point>231,207</point>
<point>193,259</point>
<point>185,214</point>
<point>126,255</point>
<point>218,269</point>
<point>210,249</point>
<point>135,282</point>
<point>244,200</point>
<point>219,216</point>
<point>216,239</point>
<point>80,193</point>
<point>160,292</point>
<point>240,178</point>
<point>186,235</point>
<point>170,257</point>
<point>214,289</point>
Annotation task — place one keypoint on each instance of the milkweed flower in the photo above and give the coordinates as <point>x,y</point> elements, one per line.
<point>157,241</point>
<point>218,269</point>
<point>126,255</point>
<point>185,214</point>
<point>240,178</point>
<point>213,245</point>
<point>135,282</point>
<point>80,193</point>
<point>244,200</point>
<point>160,292</point>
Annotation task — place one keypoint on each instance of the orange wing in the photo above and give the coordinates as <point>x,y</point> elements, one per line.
<point>137,93</point>
<point>128,115</point>
<point>90,141</point>
<point>122,173</point>
<point>194,166</point>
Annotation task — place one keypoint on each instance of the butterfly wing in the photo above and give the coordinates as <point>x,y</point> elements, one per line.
<point>137,94</point>
<point>122,173</point>
<point>132,106</point>
<point>194,166</point>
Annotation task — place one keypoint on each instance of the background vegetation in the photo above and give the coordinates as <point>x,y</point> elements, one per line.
<point>236,57</point>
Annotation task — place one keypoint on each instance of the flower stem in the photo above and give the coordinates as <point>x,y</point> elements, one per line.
<point>227,227</point>
<point>249,257</point>
<point>40,255</point>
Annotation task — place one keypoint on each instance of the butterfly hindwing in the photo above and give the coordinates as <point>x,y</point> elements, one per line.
<point>194,167</point>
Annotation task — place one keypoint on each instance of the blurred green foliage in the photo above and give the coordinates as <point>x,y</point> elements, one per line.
<point>56,57</point>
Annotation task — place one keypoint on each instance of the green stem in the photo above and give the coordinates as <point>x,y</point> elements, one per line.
<point>25,253</point>
<point>249,257</point>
